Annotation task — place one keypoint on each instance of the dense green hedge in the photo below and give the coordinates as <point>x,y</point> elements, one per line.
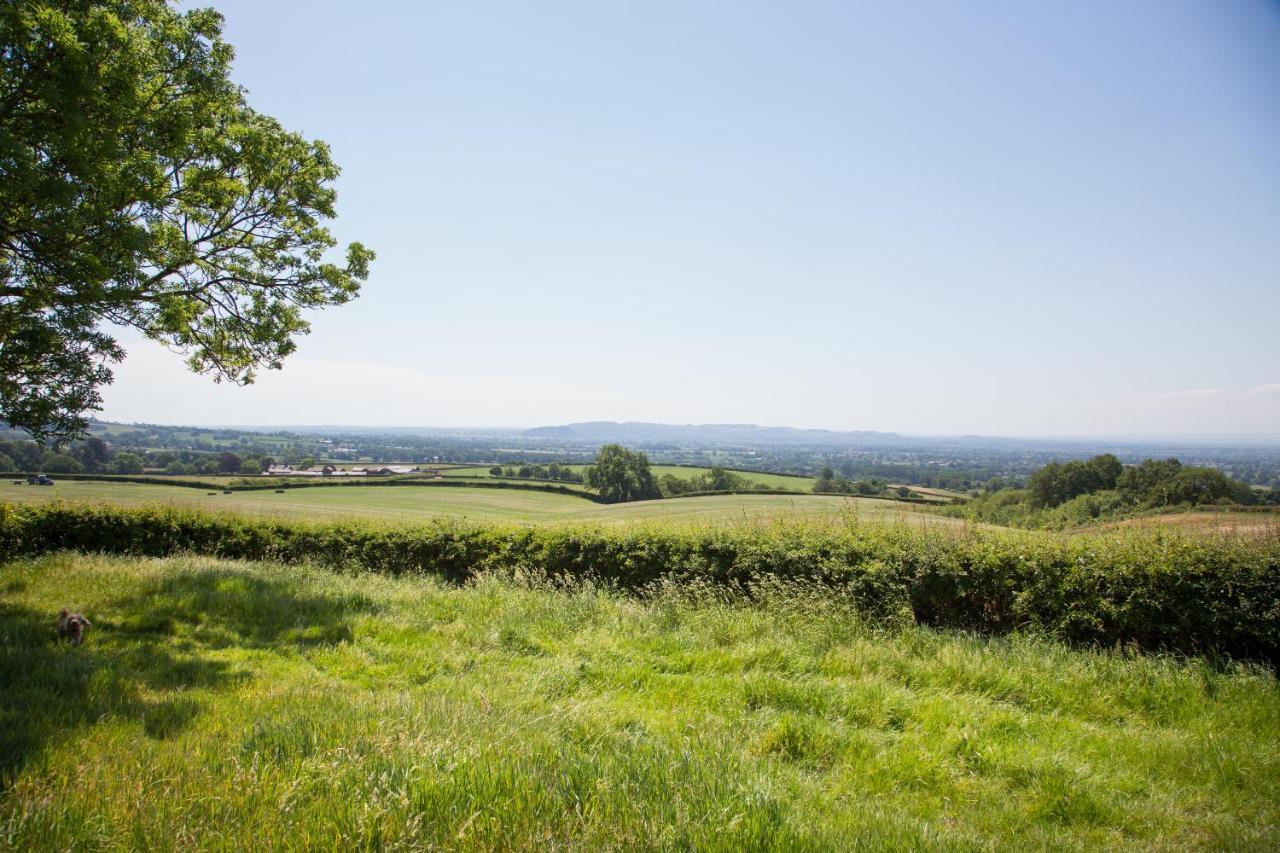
<point>156,480</point>
<point>268,484</point>
<point>1154,590</point>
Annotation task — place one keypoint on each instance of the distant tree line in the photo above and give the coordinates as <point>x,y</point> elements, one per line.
<point>94,456</point>
<point>554,471</point>
<point>717,479</point>
<point>831,483</point>
<point>1154,483</point>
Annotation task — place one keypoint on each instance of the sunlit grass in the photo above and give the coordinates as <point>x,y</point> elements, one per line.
<point>419,503</point>
<point>250,705</point>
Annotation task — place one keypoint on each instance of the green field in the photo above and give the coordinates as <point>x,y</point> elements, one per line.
<point>482,473</point>
<point>237,706</point>
<point>408,502</point>
<point>773,481</point>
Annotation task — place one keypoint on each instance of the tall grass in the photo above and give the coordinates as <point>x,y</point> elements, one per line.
<point>236,705</point>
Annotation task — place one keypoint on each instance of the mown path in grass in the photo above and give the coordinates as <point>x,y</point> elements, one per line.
<point>258,706</point>
<point>478,504</point>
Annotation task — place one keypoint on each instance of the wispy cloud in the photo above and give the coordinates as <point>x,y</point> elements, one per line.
<point>1192,393</point>
<point>1264,390</point>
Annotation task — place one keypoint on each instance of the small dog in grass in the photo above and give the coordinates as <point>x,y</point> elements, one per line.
<point>71,626</point>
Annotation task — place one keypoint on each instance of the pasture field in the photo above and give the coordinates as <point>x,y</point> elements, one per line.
<point>235,705</point>
<point>409,502</point>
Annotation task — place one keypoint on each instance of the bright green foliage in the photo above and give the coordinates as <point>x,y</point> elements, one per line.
<point>126,463</point>
<point>255,706</point>
<point>1057,483</point>
<point>138,187</point>
<point>60,463</point>
<point>1169,482</point>
<point>1077,493</point>
<point>620,474</point>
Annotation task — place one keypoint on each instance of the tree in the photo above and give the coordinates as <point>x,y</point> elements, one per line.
<point>1143,482</point>
<point>27,454</point>
<point>97,450</point>
<point>229,463</point>
<point>620,475</point>
<point>139,188</point>
<point>61,463</point>
<point>126,463</point>
<point>1057,483</point>
<point>720,480</point>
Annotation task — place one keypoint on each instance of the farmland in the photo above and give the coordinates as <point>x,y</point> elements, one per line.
<point>239,705</point>
<point>409,502</point>
<point>788,482</point>
<point>1203,522</point>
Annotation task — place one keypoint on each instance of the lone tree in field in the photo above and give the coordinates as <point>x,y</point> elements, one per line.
<point>621,475</point>
<point>137,187</point>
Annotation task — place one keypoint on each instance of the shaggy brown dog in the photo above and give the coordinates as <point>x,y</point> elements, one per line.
<point>71,626</point>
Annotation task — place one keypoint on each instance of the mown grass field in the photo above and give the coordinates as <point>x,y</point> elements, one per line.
<point>773,481</point>
<point>408,502</point>
<point>473,473</point>
<point>238,705</point>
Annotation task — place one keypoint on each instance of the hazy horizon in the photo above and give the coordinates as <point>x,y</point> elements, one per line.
<point>1253,438</point>
<point>997,219</point>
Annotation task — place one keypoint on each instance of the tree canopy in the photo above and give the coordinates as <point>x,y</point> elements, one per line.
<point>620,474</point>
<point>139,188</point>
<point>1059,482</point>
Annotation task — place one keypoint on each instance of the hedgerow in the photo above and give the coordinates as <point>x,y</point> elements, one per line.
<point>1151,590</point>
<point>263,484</point>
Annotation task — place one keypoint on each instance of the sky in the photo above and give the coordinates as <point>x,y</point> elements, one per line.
<point>1002,218</point>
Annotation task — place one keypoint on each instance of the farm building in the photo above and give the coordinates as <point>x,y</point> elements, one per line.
<point>387,470</point>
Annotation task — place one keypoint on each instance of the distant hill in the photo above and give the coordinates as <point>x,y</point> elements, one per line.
<point>637,432</point>
<point>643,434</point>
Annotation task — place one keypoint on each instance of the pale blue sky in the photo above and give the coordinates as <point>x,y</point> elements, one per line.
<point>992,217</point>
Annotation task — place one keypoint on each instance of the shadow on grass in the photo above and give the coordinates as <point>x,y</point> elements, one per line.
<point>161,638</point>
<point>218,608</point>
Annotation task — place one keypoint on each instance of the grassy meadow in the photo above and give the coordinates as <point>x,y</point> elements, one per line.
<point>420,502</point>
<point>238,705</point>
